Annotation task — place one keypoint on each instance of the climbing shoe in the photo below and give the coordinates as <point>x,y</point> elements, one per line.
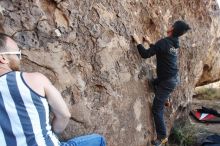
<point>159,142</point>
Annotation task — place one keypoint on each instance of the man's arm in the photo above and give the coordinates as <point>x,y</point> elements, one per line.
<point>145,53</point>
<point>41,85</point>
<point>58,106</point>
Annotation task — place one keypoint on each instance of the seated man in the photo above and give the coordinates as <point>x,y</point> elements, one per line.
<point>24,105</point>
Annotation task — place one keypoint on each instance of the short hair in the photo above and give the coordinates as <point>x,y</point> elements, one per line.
<point>180,28</point>
<point>3,40</point>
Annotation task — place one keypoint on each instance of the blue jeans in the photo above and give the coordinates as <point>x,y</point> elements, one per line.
<point>87,140</point>
<point>162,92</point>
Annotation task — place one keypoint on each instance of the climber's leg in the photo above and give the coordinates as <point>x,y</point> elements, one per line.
<point>164,89</point>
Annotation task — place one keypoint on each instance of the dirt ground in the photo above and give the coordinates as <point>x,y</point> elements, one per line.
<point>194,129</point>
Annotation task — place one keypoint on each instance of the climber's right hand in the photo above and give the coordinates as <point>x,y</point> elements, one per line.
<point>147,39</point>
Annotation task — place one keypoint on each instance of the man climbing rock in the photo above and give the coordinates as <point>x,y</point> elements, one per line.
<point>25,99</point>
<point>166,51</point>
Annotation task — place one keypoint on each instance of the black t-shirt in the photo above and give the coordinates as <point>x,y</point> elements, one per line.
<point>166,51</point>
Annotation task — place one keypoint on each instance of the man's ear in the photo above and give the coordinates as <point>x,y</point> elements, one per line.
<point>4,59</point>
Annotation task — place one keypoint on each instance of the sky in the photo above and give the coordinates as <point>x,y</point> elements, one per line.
<point>218,2</point>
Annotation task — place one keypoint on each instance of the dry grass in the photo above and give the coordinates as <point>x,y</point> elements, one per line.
<point>207,93</point>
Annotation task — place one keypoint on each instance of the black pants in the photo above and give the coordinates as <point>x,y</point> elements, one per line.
<point>162,92</point>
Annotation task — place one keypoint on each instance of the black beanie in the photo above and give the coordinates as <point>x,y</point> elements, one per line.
<point>179,28</point>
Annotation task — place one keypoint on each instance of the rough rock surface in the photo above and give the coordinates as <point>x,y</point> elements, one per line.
<point>85,48</point>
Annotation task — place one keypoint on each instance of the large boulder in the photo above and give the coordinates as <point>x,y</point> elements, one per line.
<point>86,49</point>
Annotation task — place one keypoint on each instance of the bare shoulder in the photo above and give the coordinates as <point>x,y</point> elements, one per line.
<point>37,82</point>
<point>36,77</point>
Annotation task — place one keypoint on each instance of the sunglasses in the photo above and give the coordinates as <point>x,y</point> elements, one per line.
<point>18,53</point>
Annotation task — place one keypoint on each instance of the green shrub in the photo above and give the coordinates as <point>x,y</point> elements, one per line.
<point>183,134</point>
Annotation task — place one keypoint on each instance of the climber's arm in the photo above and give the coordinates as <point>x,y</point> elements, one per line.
<point>146,53</point>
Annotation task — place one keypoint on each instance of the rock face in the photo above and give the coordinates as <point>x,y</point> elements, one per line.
<point>85,48</point>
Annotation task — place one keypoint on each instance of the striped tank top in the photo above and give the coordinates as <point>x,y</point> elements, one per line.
<point>24,115</point>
